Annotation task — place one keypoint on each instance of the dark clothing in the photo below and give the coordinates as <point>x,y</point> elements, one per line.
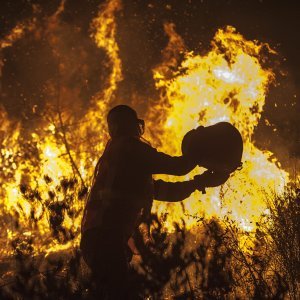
<point>122,187</point>
<point>107,260</point>
<point>123,183</point>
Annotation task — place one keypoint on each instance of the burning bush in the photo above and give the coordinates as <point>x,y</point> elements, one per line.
<point>47,167</point>
<point>212,265</point>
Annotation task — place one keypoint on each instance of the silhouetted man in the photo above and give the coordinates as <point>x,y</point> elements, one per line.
<point>122,187</point>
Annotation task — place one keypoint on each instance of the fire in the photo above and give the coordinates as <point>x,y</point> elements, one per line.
<point>44,179</point>
<point>104,35</point>
<point>226,84</point>
<point>36,186</point>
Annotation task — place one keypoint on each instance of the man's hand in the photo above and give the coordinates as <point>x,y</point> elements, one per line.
<point>210,179</point>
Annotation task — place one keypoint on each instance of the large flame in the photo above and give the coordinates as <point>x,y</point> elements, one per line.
<point>228,83</point>
<point>33,183</point>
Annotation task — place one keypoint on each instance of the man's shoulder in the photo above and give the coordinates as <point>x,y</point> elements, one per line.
<point>140,145</point>
<point>144,145</point>
<point>134,144</point>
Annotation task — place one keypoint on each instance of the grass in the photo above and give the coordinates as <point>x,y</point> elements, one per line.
<point>174,266</point>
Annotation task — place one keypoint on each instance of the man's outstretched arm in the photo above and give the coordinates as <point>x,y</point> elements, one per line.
<point>161,163</point>
<point>178,191</point>
<point>173,191</point>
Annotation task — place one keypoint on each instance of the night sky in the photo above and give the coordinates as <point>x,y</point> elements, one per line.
<point>31,66</point>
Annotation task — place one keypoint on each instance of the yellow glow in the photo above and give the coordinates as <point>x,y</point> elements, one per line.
<point>223,85</point>
<point>205,90</point>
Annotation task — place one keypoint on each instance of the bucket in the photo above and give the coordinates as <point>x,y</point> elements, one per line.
<point>218,147</point>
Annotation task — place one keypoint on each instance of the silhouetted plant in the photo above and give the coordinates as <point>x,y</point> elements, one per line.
<point>180,265</point>
<point>39,277</point>
<point>283,229</point>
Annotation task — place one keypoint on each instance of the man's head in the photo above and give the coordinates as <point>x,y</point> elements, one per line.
<point>123,121</point>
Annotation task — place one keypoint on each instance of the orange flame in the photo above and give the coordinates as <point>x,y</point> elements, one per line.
<point>43,178</point>
<point>228,83</point>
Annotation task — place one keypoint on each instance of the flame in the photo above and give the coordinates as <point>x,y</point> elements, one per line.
<point>228,83</point>
<point>17,33</point>
<point>32,182</point>
<point>104,34</point>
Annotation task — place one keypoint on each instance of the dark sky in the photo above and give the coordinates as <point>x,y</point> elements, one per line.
<point>30,65</point>
<point>276,22</point>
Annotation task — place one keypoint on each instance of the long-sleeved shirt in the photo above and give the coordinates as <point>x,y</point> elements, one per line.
<point>123,184</point>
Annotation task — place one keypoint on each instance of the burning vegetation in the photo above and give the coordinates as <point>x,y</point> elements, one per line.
<point>248,227</point>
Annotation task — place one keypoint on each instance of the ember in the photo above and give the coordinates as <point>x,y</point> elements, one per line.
<point>225,84</point>
<point>47,167</point>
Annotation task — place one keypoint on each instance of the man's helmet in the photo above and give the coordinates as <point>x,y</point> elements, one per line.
<point>218,147</point>
<point>123,121</point>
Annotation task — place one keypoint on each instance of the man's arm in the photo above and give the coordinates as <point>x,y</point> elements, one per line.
<point>173,191</point>
<point>178,191</point>
<point>161,163</point>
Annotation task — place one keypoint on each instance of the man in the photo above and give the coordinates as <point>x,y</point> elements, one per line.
<point>122,187</point>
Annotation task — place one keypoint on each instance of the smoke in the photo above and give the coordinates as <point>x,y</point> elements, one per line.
<point>50,54</point>
<point>48,48</point>
<point>65,64</point>
<point>50,58</point>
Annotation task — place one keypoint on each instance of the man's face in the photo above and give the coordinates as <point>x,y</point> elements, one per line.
<point>141,125</point>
